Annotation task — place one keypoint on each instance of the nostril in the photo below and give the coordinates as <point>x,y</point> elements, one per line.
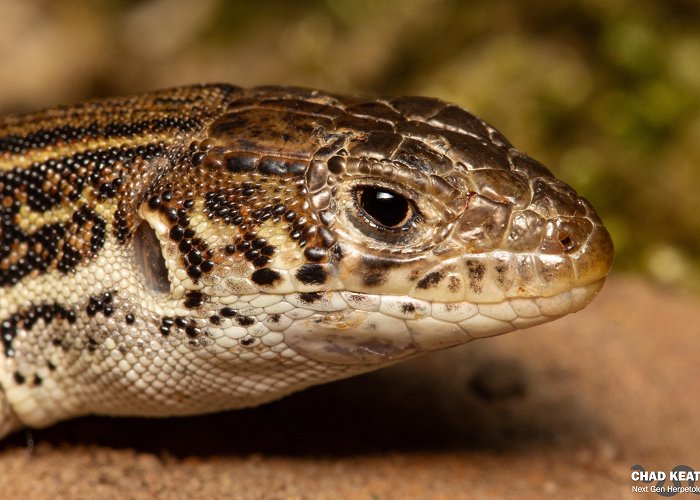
<point>567,242</point>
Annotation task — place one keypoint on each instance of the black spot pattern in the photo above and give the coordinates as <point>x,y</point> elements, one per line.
<point>311,274</point>
<point>26,319</point>
<point>430,280</point>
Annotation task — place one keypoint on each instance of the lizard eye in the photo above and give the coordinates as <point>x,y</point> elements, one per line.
<point>149,259</point>
<point>384,208</point>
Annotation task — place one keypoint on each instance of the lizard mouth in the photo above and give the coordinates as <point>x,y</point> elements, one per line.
<point>390,328</point>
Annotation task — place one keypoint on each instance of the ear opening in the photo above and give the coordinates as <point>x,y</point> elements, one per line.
<point>149,259</point>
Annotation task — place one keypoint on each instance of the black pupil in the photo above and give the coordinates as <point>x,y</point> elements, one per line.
<point>386,207</point>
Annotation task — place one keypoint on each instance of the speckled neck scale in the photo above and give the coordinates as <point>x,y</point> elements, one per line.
<point>213,247</point>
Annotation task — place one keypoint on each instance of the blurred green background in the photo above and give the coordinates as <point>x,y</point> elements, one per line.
<point>604,92</point>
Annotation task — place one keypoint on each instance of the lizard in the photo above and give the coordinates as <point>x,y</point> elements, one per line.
<point>212,247</point>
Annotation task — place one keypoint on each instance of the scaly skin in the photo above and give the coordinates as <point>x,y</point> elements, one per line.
<point>212,247</point>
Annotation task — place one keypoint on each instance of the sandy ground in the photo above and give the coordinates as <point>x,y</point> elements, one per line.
<point>560,411</point>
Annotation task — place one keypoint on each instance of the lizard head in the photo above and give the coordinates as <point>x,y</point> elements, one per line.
<point>353,233</point>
